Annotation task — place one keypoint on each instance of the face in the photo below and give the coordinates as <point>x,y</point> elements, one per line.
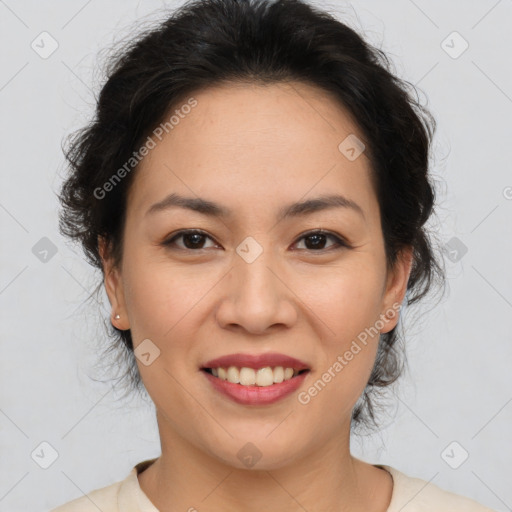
<point>252,280</point>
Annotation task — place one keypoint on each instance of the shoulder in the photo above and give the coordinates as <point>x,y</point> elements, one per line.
<point>104,499</point>
<point>411,494</point>
<point>124,495</point>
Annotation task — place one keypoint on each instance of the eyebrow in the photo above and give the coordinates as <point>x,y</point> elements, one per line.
<point>212,209</point>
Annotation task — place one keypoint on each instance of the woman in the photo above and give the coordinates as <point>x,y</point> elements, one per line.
<point>254,189</point>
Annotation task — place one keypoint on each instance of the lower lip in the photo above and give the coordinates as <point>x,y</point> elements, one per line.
<point>256,395</point>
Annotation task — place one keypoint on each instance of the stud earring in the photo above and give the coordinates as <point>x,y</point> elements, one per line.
<point>117,317</point>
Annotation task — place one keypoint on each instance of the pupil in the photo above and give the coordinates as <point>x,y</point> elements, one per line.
<point>318,238</point>
<point>196,240</point>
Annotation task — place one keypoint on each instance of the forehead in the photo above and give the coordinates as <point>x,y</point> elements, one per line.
<point>246,141</point>
<point>280,115</point>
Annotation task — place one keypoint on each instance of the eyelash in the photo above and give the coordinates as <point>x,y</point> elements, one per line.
<point>340,242</point>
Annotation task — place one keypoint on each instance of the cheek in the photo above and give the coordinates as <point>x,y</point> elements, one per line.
<point>161,298</point>
<point>348,305</point>
<point>346,298</point>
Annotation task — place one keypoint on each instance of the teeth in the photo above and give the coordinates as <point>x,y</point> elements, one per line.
<point>278,374</point>
<point>249,377</point>
<point>233,375</point>
<point>264,377</point>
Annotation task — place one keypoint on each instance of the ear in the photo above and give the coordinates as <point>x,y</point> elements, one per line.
<point>396,287</point>
<point>113,286</point>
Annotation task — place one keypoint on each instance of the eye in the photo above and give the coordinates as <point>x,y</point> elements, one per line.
<point>317,240</point>
<point>193,239</point>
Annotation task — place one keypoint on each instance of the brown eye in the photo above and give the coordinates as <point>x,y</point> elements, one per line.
<point>316,241</point>
<point>192,240</point>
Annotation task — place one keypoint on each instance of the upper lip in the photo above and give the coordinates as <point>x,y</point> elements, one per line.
<point>256,361</point>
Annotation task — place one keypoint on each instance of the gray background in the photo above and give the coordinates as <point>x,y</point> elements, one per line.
<point>459,384</point>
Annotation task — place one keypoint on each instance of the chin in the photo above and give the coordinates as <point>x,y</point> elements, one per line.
<point>258,453</point>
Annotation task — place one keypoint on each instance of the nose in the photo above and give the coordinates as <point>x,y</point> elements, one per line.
<point>256,298</point>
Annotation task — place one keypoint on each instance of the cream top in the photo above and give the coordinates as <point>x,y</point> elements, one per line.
<point>410,494</point>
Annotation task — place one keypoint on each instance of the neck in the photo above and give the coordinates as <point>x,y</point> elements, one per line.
<point>185,477</point>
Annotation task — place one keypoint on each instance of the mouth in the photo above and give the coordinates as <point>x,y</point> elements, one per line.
<point>255,379</point>
<point>261,377</point>
<point>255,387</point>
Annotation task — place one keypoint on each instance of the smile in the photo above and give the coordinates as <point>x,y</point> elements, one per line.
<point>262,377</point>
<point>252,393</point>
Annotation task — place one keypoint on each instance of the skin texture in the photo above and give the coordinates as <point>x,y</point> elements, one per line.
<point>254,149</point>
